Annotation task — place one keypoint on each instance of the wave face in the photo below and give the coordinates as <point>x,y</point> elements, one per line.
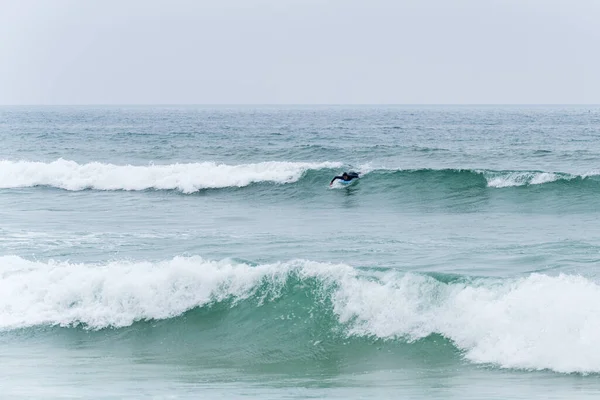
<point>533,322</point>
<point>187,178</point>
<point>487,178</point>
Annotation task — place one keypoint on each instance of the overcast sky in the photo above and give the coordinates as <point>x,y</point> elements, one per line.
<point>299,51</point>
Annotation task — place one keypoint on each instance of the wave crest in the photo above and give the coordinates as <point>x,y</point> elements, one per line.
<point>187,178</point>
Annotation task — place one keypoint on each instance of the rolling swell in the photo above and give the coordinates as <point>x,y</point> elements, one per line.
<point>303,310</point>
<point>482,178</point>
<point>193,177</point>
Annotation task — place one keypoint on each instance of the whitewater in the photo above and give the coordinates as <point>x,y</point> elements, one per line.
<point>143,257</point>
<point>518,323</point>
<point>187,178</point>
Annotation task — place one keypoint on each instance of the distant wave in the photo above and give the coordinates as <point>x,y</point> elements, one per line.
<point>533,322</point>
<point>187,178</point>
<point>192,177</point>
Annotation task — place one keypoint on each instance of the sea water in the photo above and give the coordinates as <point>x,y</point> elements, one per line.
<point>199,252</point>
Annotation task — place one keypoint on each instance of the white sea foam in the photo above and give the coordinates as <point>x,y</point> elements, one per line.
<point>524,178</point>
<point>535,322</point>
<point>187,178</point>
<point>508,179</point>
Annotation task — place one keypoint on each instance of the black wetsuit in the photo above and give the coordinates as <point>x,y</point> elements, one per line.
<point>349,177</point>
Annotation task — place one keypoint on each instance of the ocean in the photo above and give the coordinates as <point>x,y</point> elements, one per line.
<point>199,252</point>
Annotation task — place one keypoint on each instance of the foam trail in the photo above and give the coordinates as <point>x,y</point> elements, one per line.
<point>187,178</point>
<point>534,322</point>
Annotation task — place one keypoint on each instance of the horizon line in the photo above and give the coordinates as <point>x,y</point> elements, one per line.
<point>288,104</point>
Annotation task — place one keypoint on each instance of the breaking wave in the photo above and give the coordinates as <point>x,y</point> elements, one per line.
<point>531,322</point>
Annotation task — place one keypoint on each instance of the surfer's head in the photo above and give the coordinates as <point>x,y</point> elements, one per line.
<point>344,175</point>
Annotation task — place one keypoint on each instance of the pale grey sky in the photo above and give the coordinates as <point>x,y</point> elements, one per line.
<point>299,51</point>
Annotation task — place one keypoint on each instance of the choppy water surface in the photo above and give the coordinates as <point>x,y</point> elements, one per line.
<point>185,251</point>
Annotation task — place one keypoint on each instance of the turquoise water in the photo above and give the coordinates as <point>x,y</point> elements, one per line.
<point>179,252</point>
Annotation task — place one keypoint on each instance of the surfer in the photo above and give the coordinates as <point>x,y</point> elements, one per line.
<point>346,177</point>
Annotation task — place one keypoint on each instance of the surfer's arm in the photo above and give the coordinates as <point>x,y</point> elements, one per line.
<point>334,178</point>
